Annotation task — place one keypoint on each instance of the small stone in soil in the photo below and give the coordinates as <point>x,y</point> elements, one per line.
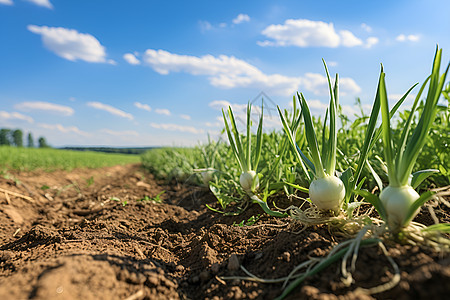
<point>233,263</point>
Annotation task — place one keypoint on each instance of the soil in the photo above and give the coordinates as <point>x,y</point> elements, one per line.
<point>85,234</point>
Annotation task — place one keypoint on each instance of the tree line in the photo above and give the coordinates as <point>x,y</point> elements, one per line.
<point>10,137</point>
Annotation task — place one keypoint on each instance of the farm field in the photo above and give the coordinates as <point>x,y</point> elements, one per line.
<point>49,159</point>
<point>224,151</point>
<point>97,239</point>
<point>327,208</point>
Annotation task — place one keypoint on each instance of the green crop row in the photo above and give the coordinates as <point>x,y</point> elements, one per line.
<point>48,159</point>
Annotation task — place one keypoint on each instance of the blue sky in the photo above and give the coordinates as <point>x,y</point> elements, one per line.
<point>152,73</point>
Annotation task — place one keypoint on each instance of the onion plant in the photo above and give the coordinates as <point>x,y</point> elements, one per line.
<point>399,202</point>
<point>248,160</point>
<point>326,190</point>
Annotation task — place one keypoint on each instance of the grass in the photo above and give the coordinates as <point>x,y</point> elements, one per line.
<point>48,159</point>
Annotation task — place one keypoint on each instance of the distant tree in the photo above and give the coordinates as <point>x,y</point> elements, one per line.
<point>30,141</point>
<point>43,143</point>
<point>5,136</point>
<point>18,137</point>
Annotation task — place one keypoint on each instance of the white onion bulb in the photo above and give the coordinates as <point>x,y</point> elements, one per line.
<point>327,193</point>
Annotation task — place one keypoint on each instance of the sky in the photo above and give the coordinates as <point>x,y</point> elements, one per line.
<point>158,73</point>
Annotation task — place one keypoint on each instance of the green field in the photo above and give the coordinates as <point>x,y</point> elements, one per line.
<point>48,159</point>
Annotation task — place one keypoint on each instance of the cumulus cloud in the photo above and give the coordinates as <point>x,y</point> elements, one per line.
<point>223,71</point>
<point>348,39</point>
<point>142,106</point>
<point>15,116</point>
<point>307,33</point>
<point>63,129</point>
<point>112,110</point>
<point>241,18</point>
<point>71,45</point>
<point>6,2</point>
<point>409,38</point>
<point>185,117</point>
<point>131,59</point>
<point>175,127</point>
<point>162,111</point>
<point>228,72</point>
<point>46,106</point>
<point>43,3</point>
<point>371,41</point>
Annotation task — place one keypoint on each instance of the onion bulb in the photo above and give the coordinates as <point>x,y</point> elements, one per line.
<point>397,201</point>
<point>246,179</point>
<point>327,193</point>
<point>207,176</point>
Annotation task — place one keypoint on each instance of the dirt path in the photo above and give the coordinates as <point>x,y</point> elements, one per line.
<point>85,235</point>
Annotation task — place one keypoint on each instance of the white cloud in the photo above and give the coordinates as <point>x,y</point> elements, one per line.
<point>142,106</point>
<point>110,109</point>
<point>223,71</point>
<point>229,72</point>
<point>6,2</point>
<point>71,45</point>
<point>366,27</point>
<point>241,18</point>
<point>185,117</point>
<point>371,41</point>
<point>15,116</point>
<point>317,105</point>
<point>63,129</point>
<point>175,127</point>
<point>120,133</point>
<point>219,104</point>
<point>409,38</point>
<point>348,39</point>
<point>162,111</point>
<point>318,84</point>
<point>307,33</point>
<point>131,59</point>
<point>46,106</point>
<point>43,3</point>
